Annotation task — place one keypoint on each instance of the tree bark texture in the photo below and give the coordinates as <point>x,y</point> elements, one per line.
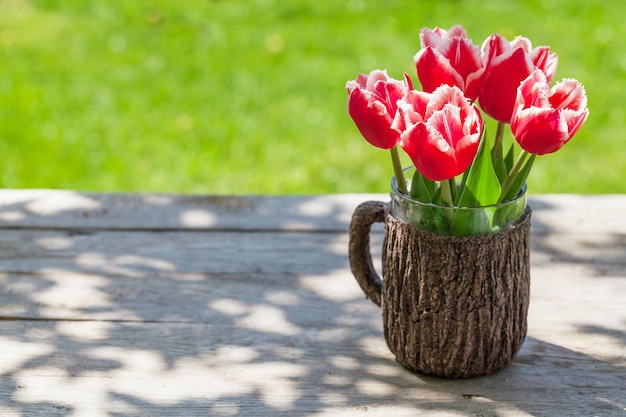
<point>452,306</point>
<point>361,265</point>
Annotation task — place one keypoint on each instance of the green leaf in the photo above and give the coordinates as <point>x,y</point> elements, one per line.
<point>422,189</point>
<point>509,159</point>
<point>499,164</point>
<point>520,179</point>
<point>482,186</point>
<point>462,184</point>
<point>437,197</point>
<point>497,158</point>
<point>470,222</point>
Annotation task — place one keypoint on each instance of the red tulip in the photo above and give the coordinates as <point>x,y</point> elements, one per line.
<point>449,57</point>
<point>545,119</point>
<point>372,105</point>
<point>507,65</point>
<point>440,131</point>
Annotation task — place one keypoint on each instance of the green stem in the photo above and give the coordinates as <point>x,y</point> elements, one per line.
<point>497,152</point>
<point>453,189</point>
<point>517,167</point>
<point>447,200</point>
<point>397,170</point>
<point>499,136</point>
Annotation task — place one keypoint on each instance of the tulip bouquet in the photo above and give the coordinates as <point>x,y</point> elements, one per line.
<point>441,127</point>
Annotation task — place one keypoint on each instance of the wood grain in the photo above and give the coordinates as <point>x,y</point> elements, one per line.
<point>71,209</point>
<point>164,305</point>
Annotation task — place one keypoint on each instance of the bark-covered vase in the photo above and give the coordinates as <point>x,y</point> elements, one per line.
<point>454,298</point>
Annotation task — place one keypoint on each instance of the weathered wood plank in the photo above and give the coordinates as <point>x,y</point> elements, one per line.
<point>100,369</point>
<point>169,275</point>
<point>68,209</point>
<point>174,276</point>
<point>255,312</point>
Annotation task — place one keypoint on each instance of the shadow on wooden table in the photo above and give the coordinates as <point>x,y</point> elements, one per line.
<point>103,315</point>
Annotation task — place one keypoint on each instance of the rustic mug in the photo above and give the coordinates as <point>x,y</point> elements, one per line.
<point>452,306</point>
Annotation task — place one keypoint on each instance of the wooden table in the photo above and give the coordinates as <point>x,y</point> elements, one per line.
<point>177,305</point>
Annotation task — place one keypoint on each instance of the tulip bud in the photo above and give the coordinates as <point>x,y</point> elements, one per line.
<point>507,65</point>
<point>545,119</point>
<point>450,58</point>
<point>372,105</point>
<point>444,140</point>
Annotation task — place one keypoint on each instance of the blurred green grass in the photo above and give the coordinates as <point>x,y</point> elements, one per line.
<point>234,96</point>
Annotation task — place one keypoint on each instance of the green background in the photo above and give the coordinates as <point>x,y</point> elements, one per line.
<point>232,97</point>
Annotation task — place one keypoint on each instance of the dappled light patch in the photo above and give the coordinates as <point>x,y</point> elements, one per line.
<point>236,320</point>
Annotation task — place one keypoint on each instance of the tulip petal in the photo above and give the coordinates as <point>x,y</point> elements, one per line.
<point>433,70</point>
<point>442,96</point>
<point>448,123</point>
<point>541,131</point>
<point>406,116</point>
<point>457,51</point>
<point>472,120</point>
<point>410,142</point>
<point>575,120</point>
<point>550,66</point>
<point>568,94</point>
<point>503,76</point>
<point>494,46</point>
<point>473,84</point>
<point>449,58</point>
<point>456,31</point>
<point>445,144</point>
<point>361,81</point>
<point>352,84</point>
<point>430,38</point>
<point>372,104</point>
<point>544,120</point>
<point>545,61</point>
<point>522,42</point>
<point>534,91</point>
<point>435,157</point>
<point>466,149</point>
<point>411,109</point>
<point>464,57</point>
<point>374,77</point>
<point>419,101</point>
<point>393,93</point>
<point>372,119</point>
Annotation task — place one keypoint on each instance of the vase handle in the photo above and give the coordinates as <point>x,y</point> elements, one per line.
<point>364,216</point>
